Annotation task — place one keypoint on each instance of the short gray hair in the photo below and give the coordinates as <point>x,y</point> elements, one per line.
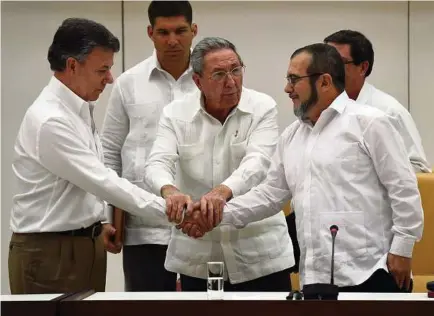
<point>207,45</point>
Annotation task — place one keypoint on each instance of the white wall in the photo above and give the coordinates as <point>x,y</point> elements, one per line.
<point>266,33</point>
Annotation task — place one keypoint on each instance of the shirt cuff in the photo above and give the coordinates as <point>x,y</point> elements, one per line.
<point>229,219</point>
<point>402,246</point>
<point>235,185</point>
<point>161,182</point>
<point>108,212</point>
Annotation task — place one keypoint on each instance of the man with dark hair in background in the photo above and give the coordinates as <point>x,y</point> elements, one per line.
<point>358,56</point>
<point>138,98</point>
<point>57,217</point>
<point>343,164</point>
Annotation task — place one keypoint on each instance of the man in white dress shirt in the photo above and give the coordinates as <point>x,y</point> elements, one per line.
<point>61,181</point>
<point>358,56</point>
<point>343,164</point>
<point>129,129</point>
<point>222,137</point>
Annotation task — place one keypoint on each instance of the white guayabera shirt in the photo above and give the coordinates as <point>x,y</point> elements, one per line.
<point>349,169</point>
<point>237,154</point>
<point>137,100</point>
<point>402,121</point>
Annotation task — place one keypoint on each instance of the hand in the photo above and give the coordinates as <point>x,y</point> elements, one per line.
<point>108,231</point>
<point>212,204</point>
<point>400,268</point>
<point>176,201</point>
<point>194,225</point>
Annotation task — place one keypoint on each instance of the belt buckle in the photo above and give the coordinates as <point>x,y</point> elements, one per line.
<point>93,231</point>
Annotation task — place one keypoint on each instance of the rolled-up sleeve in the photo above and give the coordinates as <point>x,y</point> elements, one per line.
<point>254,165</point>
<point>395,172</point>
<point>65,154</point>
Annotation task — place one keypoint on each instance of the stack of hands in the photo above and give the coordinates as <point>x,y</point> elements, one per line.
<point>193,218</point>
<point>196,218</point>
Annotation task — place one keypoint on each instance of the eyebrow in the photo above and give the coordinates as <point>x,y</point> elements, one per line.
<point>232,66</point>
<point>181,28</point>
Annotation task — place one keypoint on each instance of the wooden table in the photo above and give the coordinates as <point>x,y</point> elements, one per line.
<point>32,304</point>
<point>245,304</point>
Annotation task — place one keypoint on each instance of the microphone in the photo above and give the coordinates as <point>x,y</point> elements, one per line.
<point>333,230</point>
<point>324,291</point>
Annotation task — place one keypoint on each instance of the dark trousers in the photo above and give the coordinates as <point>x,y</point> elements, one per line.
<point>275,282</point>
<point>52,263</point>
<point>292,230</point>
<point>379,282</point>
<point>144,269</point>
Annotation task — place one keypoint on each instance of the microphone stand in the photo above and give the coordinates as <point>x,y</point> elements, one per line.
<point>320,291</point>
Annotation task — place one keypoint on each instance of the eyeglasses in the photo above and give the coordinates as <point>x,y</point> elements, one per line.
<point>293,79</point>
<point>221,75</point>
<point>346,62</point>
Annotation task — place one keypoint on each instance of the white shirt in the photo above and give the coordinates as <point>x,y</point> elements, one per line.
<point>349,169</point>
<point>237,154</point>
<point>61,179</point>
<point>402,121</point>
<point>129,129</point>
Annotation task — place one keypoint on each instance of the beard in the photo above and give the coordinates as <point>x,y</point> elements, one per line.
<point>301,111</point>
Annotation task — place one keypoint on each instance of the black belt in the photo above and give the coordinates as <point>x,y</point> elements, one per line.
<point>92,231</point>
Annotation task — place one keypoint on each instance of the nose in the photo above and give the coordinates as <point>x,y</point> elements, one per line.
<point>289,88</point>
<point>109,77</point>
<point>229,80</point>
<point>173,39</point>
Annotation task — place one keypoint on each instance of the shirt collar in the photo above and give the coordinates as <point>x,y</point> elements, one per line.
<point>155,65</point>
<point>338,105</point>
<point>364,94</point>
<point>244,105</point>
<point>79,106</point>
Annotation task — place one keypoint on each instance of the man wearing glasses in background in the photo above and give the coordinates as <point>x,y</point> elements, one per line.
<point>223,138</point>
<point>358,56</point>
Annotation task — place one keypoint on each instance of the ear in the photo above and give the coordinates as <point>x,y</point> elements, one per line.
<point>325,82</point>
<point>194,29</point>
<point>150,31</point>
<point>71,65</point>
<point>196,79</point>
<point>364,67</point>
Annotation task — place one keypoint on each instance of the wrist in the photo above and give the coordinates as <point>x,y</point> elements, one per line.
<point>168,190</point>
<point>224,191</point>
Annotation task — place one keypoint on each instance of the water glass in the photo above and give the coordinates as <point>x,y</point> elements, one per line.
<point>215,280</point>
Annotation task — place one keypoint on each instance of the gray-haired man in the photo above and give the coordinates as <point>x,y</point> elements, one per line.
<point>223,136</point>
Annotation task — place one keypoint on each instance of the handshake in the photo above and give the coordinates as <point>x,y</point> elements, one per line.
<point>196,218</point>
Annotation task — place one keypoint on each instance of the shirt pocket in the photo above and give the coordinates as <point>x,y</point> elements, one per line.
<point>238,152</point>
<point>143,120</point>
<point>143,116</point>
<point>191,159</point>
<point>350,240</point>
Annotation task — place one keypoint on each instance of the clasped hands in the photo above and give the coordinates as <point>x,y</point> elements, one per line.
<point>196,218</point>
